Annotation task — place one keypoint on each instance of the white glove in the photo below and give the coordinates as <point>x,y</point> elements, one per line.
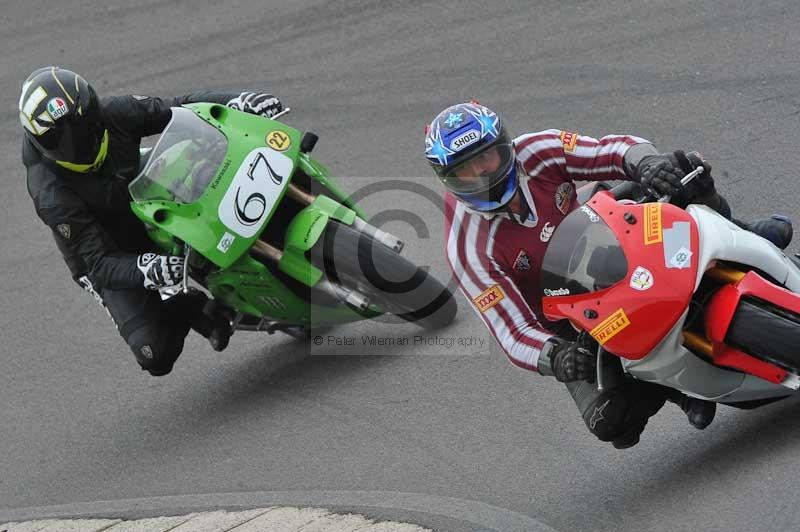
<point>160,271</point>
<point>255,103</point>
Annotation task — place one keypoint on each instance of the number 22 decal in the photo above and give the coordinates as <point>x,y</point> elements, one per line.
<point>278,140</point>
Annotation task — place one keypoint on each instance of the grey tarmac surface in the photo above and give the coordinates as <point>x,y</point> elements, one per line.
<point>80,423</point>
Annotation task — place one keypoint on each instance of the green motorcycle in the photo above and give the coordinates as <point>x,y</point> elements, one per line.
<point>232,192</point>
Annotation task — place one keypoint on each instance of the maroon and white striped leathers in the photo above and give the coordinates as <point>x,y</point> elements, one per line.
<point>497,259</point>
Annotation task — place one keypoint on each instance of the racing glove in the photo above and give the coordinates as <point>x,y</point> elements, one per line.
<point>567,361</point>
<point>256,103</point>
<point>160,271</point>
<point>663,173</point>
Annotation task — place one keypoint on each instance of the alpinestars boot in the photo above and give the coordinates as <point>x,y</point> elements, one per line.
<point>699,412</point>
<point>214,325</point>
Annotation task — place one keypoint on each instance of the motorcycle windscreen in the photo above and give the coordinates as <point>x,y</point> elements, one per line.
<point>583,256</point>
<point>183,161</point>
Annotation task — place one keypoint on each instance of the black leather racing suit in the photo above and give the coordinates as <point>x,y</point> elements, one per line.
<point>100,238</point>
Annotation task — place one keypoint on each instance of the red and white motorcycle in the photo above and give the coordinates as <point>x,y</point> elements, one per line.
<point>683,298</point>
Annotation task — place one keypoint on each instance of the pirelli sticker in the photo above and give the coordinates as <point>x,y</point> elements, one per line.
<point>610,327</point>
<point>569,140</point>
<point>652,224</point>
<point>489,298</point>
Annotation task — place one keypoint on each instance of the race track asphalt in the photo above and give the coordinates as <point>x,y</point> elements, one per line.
<point>454,438</point>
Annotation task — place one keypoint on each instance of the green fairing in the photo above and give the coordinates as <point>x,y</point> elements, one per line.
<point>181,198</point>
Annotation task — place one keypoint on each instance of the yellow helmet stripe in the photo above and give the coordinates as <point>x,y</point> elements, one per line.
<point>53,72</point>
<point>98,161</point>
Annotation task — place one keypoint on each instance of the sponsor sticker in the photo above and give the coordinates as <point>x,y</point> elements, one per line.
<point>547,232</point>
<point>610,327</point>
<point>556,292</point>
<point>569,140</point>
<point>57,108</point>
<point>64,230</point>
<point>254,190</point>
<point>225,242</point>
<point>489,298</point>
<point>681,259</point>
<point>465,139</point>
<point>278,140</point>
<point>590,213</point>
<point>563,193</point>
<point>523,262</point>
<point>641,279</point>
<point>678,245</point>
<point>652,224</point>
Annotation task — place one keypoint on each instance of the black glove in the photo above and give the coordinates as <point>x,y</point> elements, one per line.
<point>572,361</point>
<point>160,271</point>
<point>662,173</point>
<point>255,103</point>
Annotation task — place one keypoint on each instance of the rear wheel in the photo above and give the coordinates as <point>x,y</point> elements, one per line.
<point>766,332</point>
<point>391,282</point>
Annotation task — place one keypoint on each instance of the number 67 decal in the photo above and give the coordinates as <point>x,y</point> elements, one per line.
<point>254,190</point>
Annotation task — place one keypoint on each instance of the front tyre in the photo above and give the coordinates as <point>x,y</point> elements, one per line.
<point>391,282</point>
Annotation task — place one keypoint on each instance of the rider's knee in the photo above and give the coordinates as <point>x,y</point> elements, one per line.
<point>156,348</point>
<point>606,415</point>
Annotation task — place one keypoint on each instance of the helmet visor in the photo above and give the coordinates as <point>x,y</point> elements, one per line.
<point>73,141</point>
<point>481,172</point>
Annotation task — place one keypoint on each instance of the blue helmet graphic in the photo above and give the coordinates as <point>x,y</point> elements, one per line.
<point>469,149</point>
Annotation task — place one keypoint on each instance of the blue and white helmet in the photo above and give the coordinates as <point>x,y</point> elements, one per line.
<point>456,139</point>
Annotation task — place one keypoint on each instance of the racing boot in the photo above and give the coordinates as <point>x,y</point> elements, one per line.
<point>777,229</point>
<point>214,325</point>
<point>699,412</point>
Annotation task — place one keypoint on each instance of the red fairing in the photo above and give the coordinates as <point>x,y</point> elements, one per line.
<point>719,314</point>
<point>661,243</point>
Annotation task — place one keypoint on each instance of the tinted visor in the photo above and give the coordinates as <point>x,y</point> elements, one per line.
<point>75,140</point>
<point>481,172</point>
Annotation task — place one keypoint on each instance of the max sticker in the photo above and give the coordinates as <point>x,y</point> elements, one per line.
<point>610,327</point>
<point>489,298</point>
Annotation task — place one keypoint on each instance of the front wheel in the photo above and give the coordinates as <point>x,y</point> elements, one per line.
<point>391,282</point>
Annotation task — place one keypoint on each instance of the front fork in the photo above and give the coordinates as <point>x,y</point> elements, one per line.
<point>296,262</point>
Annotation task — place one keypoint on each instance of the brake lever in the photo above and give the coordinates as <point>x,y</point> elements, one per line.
<point>283,112</point>
<point>686,179</point>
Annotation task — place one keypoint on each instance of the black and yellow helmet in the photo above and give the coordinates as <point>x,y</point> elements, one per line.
<point>60,113</point>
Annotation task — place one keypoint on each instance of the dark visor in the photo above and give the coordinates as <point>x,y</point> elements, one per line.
<point>73,141</point>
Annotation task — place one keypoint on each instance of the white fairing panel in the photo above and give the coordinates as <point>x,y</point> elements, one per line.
<point>254,191</point>
<point>673,365</point>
